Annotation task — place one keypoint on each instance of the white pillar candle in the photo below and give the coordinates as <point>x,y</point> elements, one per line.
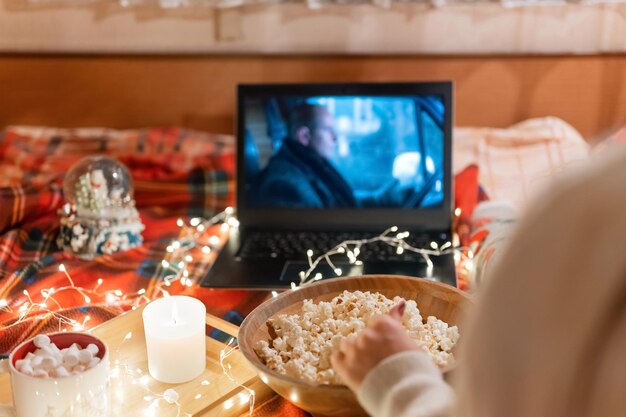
<point>175,338</point>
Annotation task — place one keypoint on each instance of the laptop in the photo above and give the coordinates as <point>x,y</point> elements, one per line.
<point>319,164</point>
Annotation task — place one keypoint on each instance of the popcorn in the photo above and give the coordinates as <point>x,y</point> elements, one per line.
<point>48,361</point>
<point>301,345</point>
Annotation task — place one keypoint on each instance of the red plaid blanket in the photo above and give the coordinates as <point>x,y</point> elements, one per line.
<point>177,173</point>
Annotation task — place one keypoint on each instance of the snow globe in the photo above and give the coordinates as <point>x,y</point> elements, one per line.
<point>99,216</point>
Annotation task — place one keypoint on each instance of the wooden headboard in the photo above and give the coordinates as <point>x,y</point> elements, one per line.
<point>589,92</point>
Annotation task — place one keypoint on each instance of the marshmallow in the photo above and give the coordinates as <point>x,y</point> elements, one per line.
<point>20,363</point>
<point>40,373</point>
<point>48,361</point>
<point>70,359</point>
<point>41,340</point>
<point>93,349</point>
<point>36,361</point>
<point>46,350</point>
<point>94,362</point>
<point>27,369</point>
<point>84,356</point>
<point>171,396</point>
<point>60,371</point>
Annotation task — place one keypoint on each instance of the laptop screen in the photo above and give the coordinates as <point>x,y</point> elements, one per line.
<point>344,151</point>
<point>308,148</point>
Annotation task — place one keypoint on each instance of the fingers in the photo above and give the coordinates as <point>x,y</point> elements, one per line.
<point>384,324</point>
<point>346,347</point>
<point>366,338</point>
<point>338,359</point>
<point>398,311</point>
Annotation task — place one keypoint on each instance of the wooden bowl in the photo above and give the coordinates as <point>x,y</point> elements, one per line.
<point>433,299</point>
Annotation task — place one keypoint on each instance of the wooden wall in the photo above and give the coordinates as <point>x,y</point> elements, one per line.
<point>589,92</point>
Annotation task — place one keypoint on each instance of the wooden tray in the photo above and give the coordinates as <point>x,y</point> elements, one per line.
<point>211,394</point>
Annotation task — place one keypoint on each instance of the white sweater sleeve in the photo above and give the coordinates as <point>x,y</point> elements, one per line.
<point>407,384</point>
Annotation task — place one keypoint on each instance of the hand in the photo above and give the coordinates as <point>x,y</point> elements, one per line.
<point>383,337</point>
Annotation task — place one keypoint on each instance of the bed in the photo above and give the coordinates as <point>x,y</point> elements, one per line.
<point>171,120</point>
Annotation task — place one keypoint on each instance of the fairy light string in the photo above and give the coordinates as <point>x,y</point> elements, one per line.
<point>195,239</point>
<point>123,373</point>
<point>175,267</point>
<point>248,395</point>
<point>352,248</point>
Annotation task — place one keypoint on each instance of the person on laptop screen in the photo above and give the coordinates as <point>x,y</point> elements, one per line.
<point>306,171</point>
<point>300,174</point>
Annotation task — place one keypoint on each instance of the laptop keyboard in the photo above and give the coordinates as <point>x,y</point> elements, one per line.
<point>294,245</point>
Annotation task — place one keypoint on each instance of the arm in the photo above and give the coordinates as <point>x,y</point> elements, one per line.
<point>407,384</point>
